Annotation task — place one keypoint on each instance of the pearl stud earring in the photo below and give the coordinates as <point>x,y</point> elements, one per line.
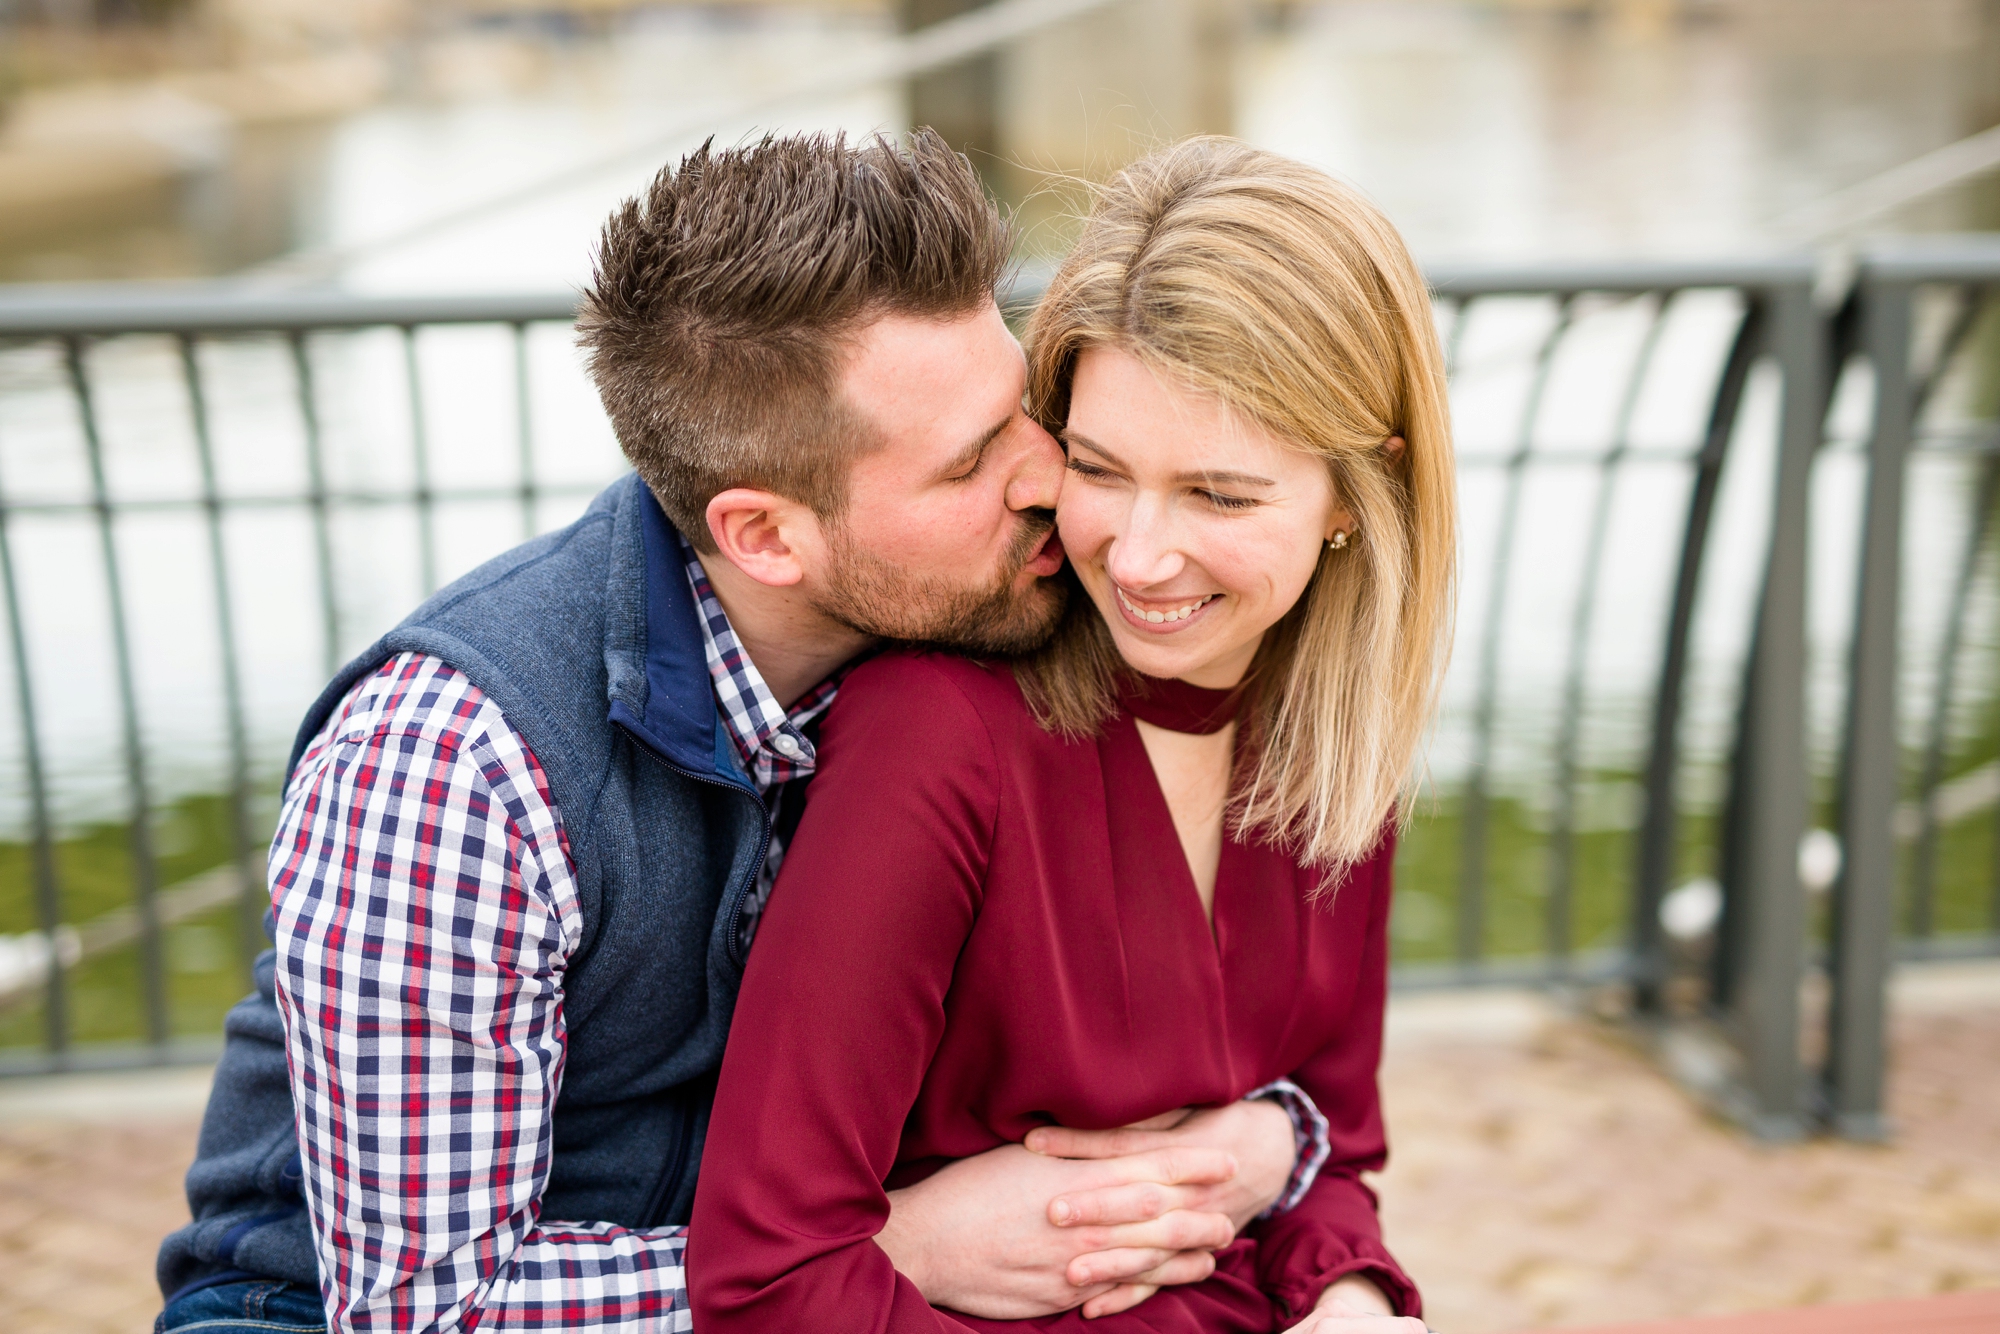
<point>1338,540</point>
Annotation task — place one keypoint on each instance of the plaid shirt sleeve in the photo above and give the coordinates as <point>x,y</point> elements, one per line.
<point>1310,1134</point>
<point>425,912</point>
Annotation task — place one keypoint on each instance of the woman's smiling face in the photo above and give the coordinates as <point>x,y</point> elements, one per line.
<point>1194,529</point>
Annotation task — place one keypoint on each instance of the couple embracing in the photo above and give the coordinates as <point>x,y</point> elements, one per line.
<point>1003,754</point>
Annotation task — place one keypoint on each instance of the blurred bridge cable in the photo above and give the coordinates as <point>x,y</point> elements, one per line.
<point>1863,202</point>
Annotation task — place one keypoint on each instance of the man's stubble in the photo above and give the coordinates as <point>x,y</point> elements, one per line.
<point>872,596</point>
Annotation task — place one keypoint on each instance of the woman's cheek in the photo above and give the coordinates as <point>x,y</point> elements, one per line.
<point>1268,572</point>
<point>1084,519</point>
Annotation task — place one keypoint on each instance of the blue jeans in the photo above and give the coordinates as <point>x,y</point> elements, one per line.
<point>263,1305</point>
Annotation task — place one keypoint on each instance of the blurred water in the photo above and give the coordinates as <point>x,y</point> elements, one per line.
<point>1485,130</point>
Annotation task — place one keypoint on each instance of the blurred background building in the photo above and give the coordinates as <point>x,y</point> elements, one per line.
<point>283,347</point>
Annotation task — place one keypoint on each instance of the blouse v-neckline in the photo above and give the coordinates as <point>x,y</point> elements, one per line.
<point>1175,706</point>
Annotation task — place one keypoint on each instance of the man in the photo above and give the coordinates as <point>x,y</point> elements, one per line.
<point>527,835</point>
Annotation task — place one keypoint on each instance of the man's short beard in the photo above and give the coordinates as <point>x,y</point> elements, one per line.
<point>865,593</point>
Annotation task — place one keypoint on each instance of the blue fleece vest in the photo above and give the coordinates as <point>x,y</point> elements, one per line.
<point>588,641</point>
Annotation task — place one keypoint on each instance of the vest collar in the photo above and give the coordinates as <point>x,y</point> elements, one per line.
<point>654,654</point>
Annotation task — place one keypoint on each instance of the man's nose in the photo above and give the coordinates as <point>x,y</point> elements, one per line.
<point>1038,470</point>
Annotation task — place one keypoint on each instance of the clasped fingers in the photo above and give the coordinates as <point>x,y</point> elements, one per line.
<point>1136,1202</point>
<point>1154,1268</point>
<point>1123,1252</point>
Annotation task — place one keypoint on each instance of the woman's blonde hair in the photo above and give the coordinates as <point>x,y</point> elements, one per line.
<point>1286,295</point>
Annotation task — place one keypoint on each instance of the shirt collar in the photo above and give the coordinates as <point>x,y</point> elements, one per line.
<point>656,667</point>
<point>770,741</point>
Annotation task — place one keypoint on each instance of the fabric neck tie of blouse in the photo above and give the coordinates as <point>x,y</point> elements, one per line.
<point>1178,706</point>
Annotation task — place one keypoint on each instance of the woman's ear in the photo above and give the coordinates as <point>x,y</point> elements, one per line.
<point>1394,446</point>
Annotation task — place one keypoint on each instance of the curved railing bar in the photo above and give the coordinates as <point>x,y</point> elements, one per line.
<point>524,428</point>
<point>1473,809</point>
<point>1562,834</point>
<point>48,889</point>
<point>145,867</point>
<point>420,461</point>
<point>1659,826</point>
<point>243,844</point>
<point>1924,873</point>
<point>318,499</point>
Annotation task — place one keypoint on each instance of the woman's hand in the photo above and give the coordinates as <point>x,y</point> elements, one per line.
<point>1355,1306</point>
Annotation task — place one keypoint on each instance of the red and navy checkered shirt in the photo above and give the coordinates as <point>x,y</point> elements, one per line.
<point>426,911</point>
<point>772,747</point>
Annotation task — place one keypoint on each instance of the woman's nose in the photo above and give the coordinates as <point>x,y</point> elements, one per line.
<point>1143,552</point>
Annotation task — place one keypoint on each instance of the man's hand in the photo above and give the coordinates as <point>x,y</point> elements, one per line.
<point>981,1236</point>
<point>1258,1135</point>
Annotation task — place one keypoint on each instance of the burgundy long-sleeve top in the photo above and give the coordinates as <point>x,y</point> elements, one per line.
<point>981,928</point>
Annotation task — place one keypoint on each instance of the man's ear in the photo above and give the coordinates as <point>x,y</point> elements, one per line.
<point>763,534</point>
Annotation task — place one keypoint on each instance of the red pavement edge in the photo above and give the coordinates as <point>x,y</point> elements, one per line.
<point>1959,1313</point>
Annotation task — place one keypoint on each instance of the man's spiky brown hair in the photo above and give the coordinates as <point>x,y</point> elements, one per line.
<point>723,295</point>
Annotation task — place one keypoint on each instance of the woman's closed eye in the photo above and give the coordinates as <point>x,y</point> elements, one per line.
<point>1220,500</point>
<point>1224,501</point>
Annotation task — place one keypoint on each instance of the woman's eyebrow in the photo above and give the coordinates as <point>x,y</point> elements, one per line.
<point>1070,437</point>
<point>1210,477</point>
<point>1224,478</point>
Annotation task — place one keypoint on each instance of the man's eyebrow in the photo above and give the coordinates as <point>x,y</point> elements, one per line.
<point>1206,478</point>
<point>966,457</point>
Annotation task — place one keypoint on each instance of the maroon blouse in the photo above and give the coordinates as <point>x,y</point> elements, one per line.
<point>981,928</point>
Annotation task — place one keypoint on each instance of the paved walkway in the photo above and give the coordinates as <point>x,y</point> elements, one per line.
<point>1545,1175</point>
<point>90,1180</point>
<point>1558,1179</point>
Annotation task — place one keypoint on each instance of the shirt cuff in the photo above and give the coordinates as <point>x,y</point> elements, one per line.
<point>1309,1132</point>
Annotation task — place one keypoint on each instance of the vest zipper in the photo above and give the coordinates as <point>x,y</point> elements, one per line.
<point>737,894</point>
<point>669,1182</point>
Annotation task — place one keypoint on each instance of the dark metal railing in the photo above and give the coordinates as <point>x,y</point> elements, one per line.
<point>1775,328</point>
<point>1879,326</point>
<point>77,319</point>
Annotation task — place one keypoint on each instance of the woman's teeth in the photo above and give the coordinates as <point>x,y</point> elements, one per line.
<point>1161,617</point>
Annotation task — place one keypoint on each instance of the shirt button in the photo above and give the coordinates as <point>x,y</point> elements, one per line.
<point>786,746</point>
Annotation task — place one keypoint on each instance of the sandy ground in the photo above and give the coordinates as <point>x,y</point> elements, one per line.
<point>1545,1175</point>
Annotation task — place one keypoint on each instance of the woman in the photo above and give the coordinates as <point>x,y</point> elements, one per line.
<point>1148,867</point>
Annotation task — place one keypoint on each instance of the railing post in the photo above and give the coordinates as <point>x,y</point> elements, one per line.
<point>1870,771</point>
<point>1765,927</point>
